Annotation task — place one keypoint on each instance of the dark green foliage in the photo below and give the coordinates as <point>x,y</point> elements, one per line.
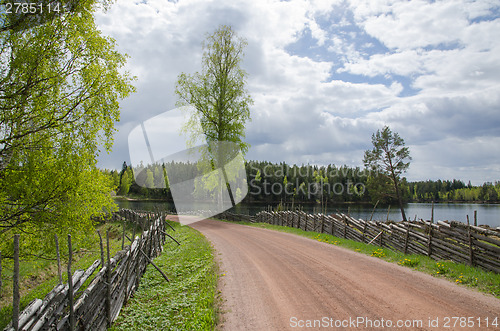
<point>266,183</point>
<point>388,159</point>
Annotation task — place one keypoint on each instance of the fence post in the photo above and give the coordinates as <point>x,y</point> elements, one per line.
<point>322,223</point>
<point>102,248</point>
<point>70,287</point>
<point>429,241</point>
<point>59,271</point>
<point>345,227</point>
<point>123,233</point>
<point>138,263</point>
<point>134,225</point>
<point>0,274</point>
<point>475,217</point>
<point>471,251</point>
<point>108,284</point>
<point>364,230</point>
<point>15,285</point>
<point>406,238</point>
<point>127,274</point>
<point>381,240</point>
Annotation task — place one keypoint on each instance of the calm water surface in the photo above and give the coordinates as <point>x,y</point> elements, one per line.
<point>486,213</point>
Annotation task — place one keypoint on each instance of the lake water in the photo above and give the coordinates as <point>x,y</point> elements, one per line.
<point>488,214</point>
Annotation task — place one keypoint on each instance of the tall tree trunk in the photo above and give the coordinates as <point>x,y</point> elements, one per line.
<point>398,196</point>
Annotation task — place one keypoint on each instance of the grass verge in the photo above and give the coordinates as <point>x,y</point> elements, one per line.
<point>188,301</point>
<point>484,281</point>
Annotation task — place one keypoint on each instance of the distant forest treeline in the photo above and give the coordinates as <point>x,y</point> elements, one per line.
<point>280,182</point>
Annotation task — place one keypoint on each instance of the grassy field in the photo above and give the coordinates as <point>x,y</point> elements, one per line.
<point>484,281</point>
<point>188,301</point>
<point>39,276</point>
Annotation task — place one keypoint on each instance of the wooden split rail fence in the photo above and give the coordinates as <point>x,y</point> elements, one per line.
<point>98,305</point>
<point>454,241</point>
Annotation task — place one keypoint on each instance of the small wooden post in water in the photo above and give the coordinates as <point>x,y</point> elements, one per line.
<point>432,212</point>
<point>70,287</point>
<point>373,211</point>
<point>15,285</point>
<point>475,217</point>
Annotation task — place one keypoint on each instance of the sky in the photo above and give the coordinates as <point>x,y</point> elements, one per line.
<point>326,75</point>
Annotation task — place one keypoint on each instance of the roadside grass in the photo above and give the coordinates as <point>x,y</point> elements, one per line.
<point>188,301</point>
<point>484,281</point>
<point>38,276</point>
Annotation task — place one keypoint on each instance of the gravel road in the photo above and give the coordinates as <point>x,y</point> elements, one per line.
<point>277,281</point>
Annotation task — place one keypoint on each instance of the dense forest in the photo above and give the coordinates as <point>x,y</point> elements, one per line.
<point>280,182</point>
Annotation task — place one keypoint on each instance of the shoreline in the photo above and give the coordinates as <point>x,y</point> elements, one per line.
<point>121,197</point>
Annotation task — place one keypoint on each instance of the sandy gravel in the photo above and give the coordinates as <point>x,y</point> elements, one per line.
<point>278,281</point>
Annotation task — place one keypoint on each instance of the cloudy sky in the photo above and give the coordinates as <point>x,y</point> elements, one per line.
<point>325,75</point>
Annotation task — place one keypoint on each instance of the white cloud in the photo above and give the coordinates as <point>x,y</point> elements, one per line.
<point>323,103</point>
<point>413,24</point>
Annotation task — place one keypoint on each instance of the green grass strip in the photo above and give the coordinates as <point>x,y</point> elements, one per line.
<point>484,281</point>
<point>188,301</point>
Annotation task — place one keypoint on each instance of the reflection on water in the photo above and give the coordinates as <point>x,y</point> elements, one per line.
<point>486,213</point>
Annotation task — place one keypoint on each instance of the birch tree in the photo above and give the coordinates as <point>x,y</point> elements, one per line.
<point>219,99</point>
<point>60,86</point>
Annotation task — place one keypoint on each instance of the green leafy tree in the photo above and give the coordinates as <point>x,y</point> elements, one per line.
<point>220,102</point>
<point>60,86</point>
<point>388,159</point>
<point>126,182</point>
<point>116,180</point>
<point>149,179</point>
<point>258,178</point>
<point>159,181</point>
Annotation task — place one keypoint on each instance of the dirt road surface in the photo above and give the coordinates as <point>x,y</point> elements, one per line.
<point>279,281</point>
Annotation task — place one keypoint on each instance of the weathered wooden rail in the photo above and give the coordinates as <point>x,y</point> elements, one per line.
<point>98,305</point>
<point>454,241</point>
